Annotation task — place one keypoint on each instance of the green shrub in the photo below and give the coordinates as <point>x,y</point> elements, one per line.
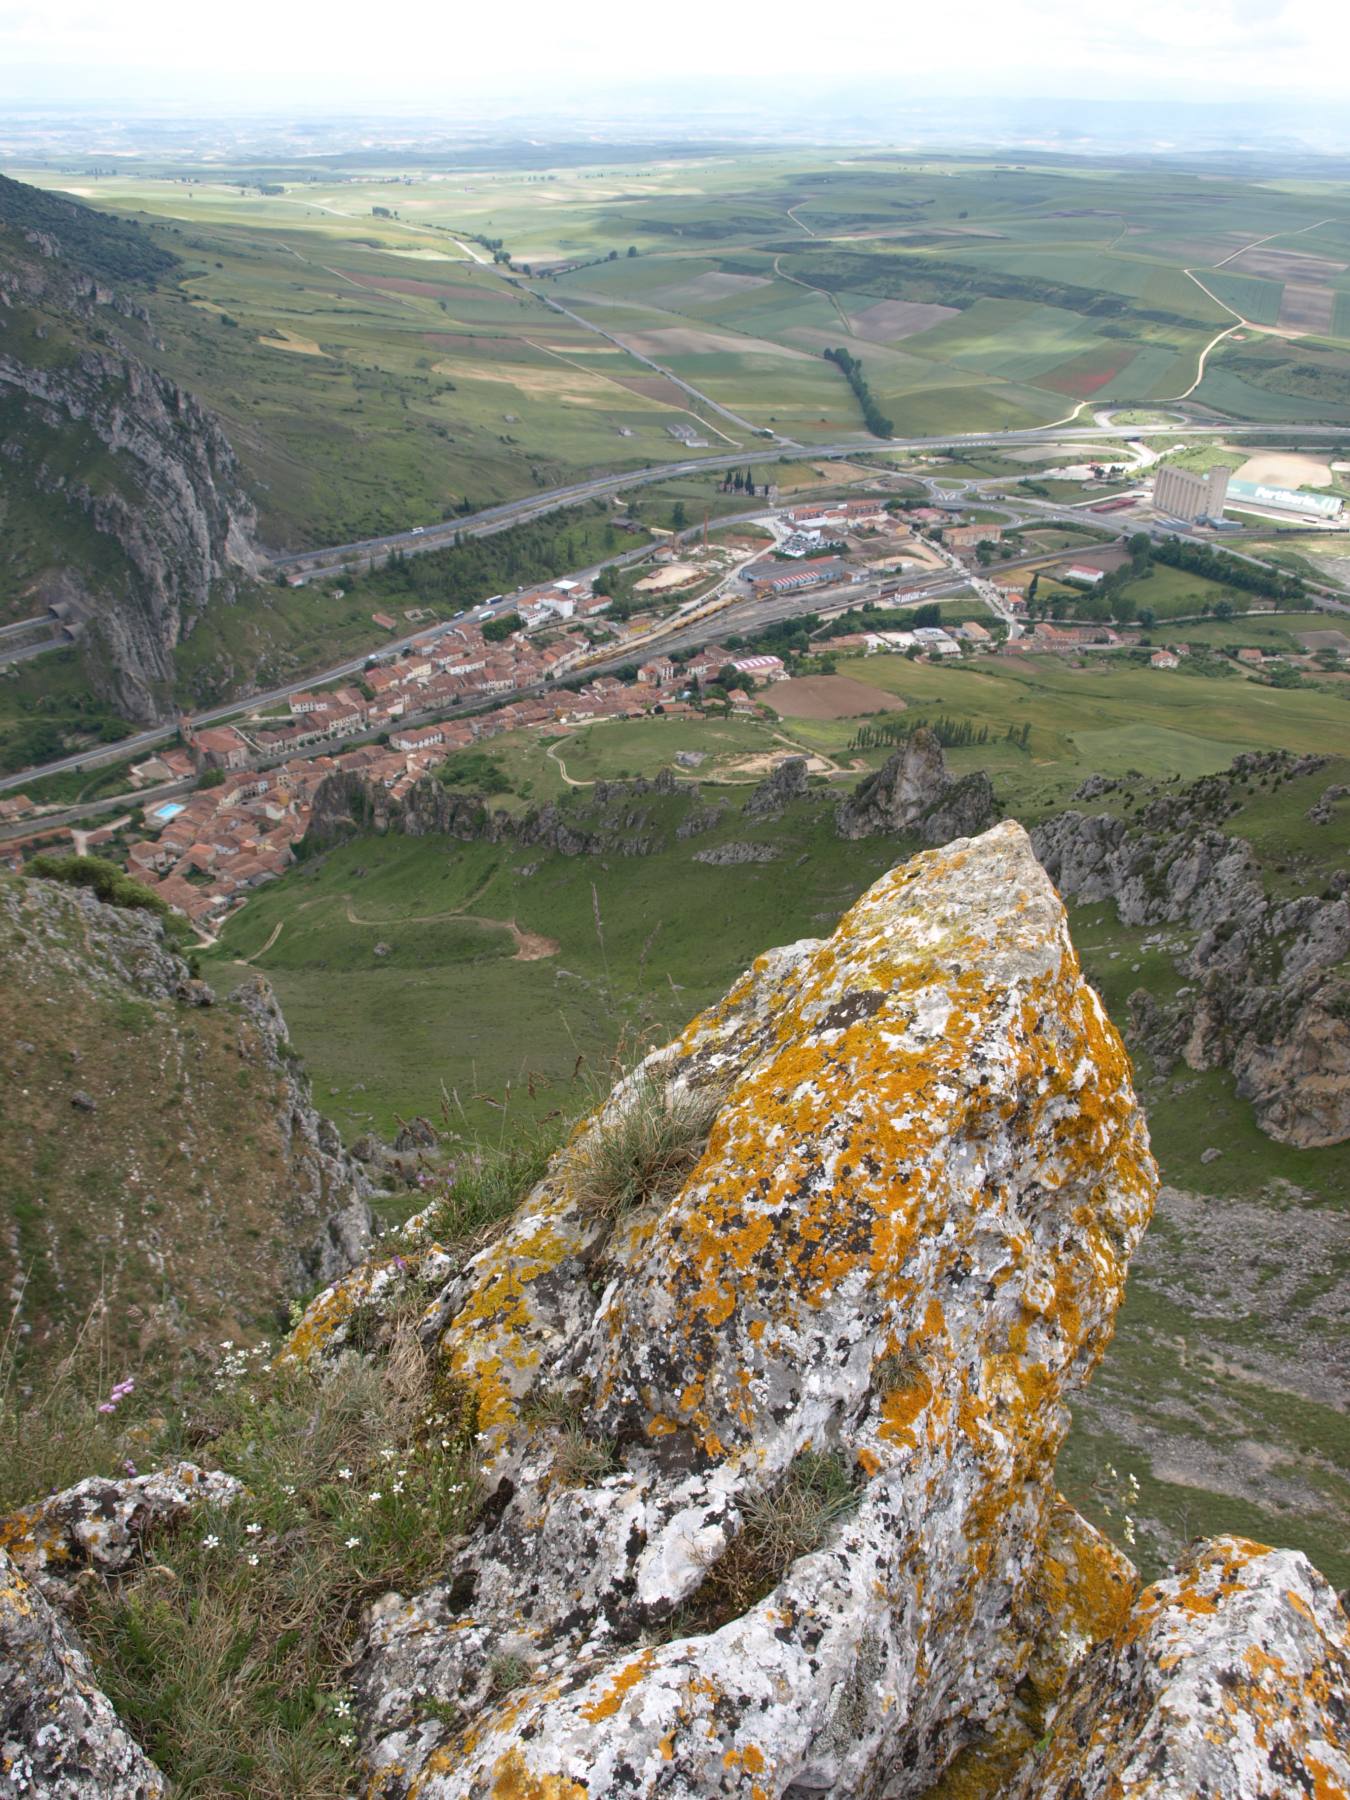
<point>112,885</point>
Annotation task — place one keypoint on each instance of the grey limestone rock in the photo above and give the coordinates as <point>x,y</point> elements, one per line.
<point>786,783</point>
<point>1231,1678</point>
<point>900,1251</point>
<point>912,792</point>
<point>59,1736</point>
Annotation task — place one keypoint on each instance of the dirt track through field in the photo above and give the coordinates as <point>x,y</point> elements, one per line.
<point>531,946</point>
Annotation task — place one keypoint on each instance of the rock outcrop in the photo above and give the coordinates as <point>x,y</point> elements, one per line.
<point>59,1735</point>
<point>608,820</point>
<point>912,792</point>
<point>737,851</point>
<point>1231,1678</point>
<point>155,522</point>
<point>900,1249</point>
<point>102,1524</point>
<point>763,1385</point>
<point>1267,996</point>
<point>784,784</point>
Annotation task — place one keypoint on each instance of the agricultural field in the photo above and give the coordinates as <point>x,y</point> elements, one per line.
<point>1267,631</point>
<point>378,368</point>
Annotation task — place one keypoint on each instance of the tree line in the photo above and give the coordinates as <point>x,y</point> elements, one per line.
<point>952,734</point>
<point>873,417</point>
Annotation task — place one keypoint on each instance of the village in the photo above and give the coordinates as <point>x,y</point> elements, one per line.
<point>239,794</point>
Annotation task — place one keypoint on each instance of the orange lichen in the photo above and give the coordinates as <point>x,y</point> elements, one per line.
<point>512,1780</point>
<point>626,1679</point>
<point>901,1407</point>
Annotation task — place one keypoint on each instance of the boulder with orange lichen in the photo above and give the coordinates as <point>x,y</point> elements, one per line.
<point>900,1248</point>
<point>1231,1678</point>
<point>59,1735</point>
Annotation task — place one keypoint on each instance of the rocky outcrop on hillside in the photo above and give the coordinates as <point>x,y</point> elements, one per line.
<point>606,820</point>
<point>1230,1678</point>
<point>187,1176</point>
<point>766,1379</point>
<point>913,792</point>
<point>103,1525</point>
<point>155,522</point>
<point>1265,995</point>
<point>59,1735</point>
<point>900,1249</point>
<point>785,783</point>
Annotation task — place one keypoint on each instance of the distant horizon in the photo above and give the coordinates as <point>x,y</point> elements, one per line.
<point>415,57</point>
<point>1121,127</point>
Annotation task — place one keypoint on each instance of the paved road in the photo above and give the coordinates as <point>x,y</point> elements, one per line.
<point>336,558</point>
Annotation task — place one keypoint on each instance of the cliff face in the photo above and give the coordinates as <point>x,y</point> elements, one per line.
<point>131,499</point>
<point>160,1152</point>
<point>1267,995</point>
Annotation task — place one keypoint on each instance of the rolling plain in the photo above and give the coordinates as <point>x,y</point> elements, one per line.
<point>379,363</point>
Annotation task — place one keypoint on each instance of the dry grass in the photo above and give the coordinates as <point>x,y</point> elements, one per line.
<point>582,1461</point>
<point>226,1651</point>
<point>644,1154</point>
<point>791,1521</point>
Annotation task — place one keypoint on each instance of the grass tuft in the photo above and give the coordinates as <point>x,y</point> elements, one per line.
<point>645,1154</point>
<point>791,1521</point>
<point>488,1186</point>
<point>506,1673</point>
<point>582,1461</point>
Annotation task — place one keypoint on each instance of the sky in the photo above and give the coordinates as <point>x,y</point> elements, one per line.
<point>420,53</point>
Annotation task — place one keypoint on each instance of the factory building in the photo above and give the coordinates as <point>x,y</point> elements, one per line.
<point>1294,500</point>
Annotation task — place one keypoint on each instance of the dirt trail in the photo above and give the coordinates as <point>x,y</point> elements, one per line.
<point>264,948</point>
<point>531,946</point>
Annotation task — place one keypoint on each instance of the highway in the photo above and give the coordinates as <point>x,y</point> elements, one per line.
<point>337,558</point>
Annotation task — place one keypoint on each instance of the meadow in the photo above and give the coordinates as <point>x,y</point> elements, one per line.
<point>440,1003</point>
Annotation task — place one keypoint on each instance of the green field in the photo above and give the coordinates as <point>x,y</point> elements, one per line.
<point>47,709</point>
<point>378,371</point>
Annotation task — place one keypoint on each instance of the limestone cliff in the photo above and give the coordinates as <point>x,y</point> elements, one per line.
<point>1268,997</point>
<point>122,489</point>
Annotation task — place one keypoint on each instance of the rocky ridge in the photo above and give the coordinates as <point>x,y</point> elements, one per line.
<point>911,795</point>
<point>155,524</point>
<point>913,1171</point>
<point>912,792</point>
<point>1266,996</point>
